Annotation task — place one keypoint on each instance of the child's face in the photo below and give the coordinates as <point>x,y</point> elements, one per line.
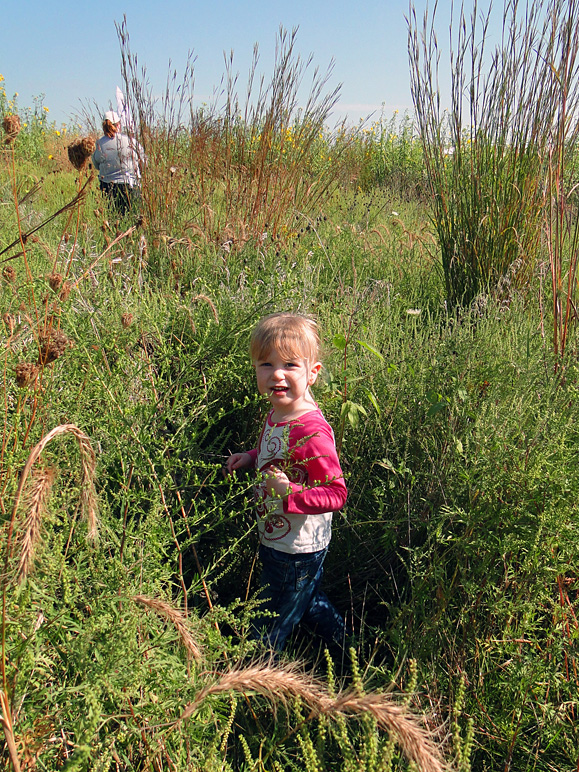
<point>285,382</point>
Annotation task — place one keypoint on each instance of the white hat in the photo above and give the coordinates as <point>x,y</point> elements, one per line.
<point>112,117</point>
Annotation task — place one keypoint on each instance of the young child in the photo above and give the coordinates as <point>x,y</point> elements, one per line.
<point>299,483</point>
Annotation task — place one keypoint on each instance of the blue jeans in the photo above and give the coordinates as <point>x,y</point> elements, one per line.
<point>123,197</point>
<point>290,587</point>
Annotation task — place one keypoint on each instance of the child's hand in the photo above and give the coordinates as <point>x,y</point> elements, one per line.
<point>237,461</point>
<point>276,482</point>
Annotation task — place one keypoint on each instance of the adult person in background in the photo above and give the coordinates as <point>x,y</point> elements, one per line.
<point>118,158</point>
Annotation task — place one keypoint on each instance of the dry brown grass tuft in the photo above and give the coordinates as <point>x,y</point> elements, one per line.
<point>55,280</point>
<point>280,683</point>
<point>65,290</point>
<point>34,503</point>
<point>10,321</point>
<point>176,618</point>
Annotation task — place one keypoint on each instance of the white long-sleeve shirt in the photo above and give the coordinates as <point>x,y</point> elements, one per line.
<point>305,450</point>
<point>117,159</point>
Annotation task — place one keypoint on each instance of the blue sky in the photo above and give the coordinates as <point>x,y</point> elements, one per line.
<point>70,52</point>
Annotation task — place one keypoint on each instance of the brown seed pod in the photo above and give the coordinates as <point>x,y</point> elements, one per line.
<point>52,345</point>
<point>55,280</point>
<point>11,125</point>
<point>25,373</point>
<point>88,144</point>
<point>65,290</point>
<point>80,151</point>
<point>9,274</point>
<point>10,321</point>
<point>126,320</point>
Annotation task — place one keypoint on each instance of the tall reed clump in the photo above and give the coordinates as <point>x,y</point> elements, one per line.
<point>160,125</point>
<point>561,216</point>
<point>240,168</point>
<point>486,156</point>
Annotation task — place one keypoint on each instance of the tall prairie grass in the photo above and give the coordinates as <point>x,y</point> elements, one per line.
<point>495,160</point>
<point>238,169</point>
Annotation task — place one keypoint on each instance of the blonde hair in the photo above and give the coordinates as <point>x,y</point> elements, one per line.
<point>292,335</point>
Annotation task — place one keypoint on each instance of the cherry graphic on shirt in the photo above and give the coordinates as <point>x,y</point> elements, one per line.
<point>276,527</point>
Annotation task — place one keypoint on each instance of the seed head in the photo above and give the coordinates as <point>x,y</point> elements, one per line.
<point>55,280</point>
<point>9,320</point>
<point>80,151</point>
<point>9,274</point>
<point>25,373</point>
<point>52,345</point>
<point>65,290</point>
<point>88,144</point>
<point>11,125</point>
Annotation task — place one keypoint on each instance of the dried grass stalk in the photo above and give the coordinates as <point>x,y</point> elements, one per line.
<point>6,721</point>
<point>34,503</point>
<point>209,302</point>
<point>176,618</point>
<point>29,236</point>
<point>280,683</point>
<point>88,469</point>
<point>416,742</point>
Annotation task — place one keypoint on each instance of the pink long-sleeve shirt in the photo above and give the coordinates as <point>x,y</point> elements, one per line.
<point>306,451</point>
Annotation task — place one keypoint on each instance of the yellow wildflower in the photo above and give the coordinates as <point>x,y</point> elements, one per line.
<point>45,108</point>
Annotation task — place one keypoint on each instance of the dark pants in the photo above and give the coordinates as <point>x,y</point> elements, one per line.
<point>290,587</point>
<point>122,196</point>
